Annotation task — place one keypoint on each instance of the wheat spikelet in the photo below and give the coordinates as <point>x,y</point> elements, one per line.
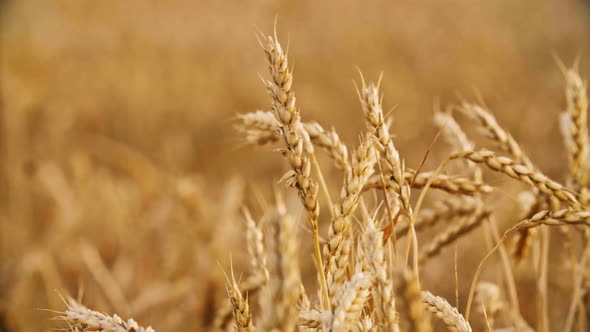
<point>314,319</point>
<point>451,234</point>
<point>329,141</point>
<point>352,296</point>
<point>409,300</point>
<point>258,127</point>
<point>575,126</point>
<point>492,129</point>
<point>371,104</point>
<point>256,250</point>
<point>362,167</point>
<point>373,257</point>
<point>489,299</point>
<point>337,268</point>
<point>283,108</point>
<point>251,286</point>
<point>240,306</point>
<point>83,319</point>
<point>278,302</point>
<point>553,218</point>
<point>445,210</point>
<point>452,132</point>
<point>531,205</point>
<point>288,117</point>
<point>261,127</point>
<point>447,313</point>
<point>520,172</point>
<point>450,184</point>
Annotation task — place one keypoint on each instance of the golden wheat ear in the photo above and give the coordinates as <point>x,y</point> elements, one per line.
<point>80,318</point>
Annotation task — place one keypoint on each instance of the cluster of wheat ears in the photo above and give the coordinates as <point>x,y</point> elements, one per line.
<point>365,280</point>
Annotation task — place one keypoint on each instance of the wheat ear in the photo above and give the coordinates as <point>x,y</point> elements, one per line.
<point>575,126</point>
<point>81,318</point>
<point>288,117</point>
<point>362,166</point>
<point>447,313</point>
<point>451,234</point>
<point>352,296</point>
<point>446,210</point>
<point>279,301</point>
<point>409,299</point>
<point>520,172</point>
<point>373,256</point>
<point>451,184</point>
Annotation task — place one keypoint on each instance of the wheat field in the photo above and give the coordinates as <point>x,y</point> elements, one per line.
<point>294,166</point>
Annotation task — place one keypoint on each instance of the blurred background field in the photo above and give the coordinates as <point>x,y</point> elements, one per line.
<point>120,172</point>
